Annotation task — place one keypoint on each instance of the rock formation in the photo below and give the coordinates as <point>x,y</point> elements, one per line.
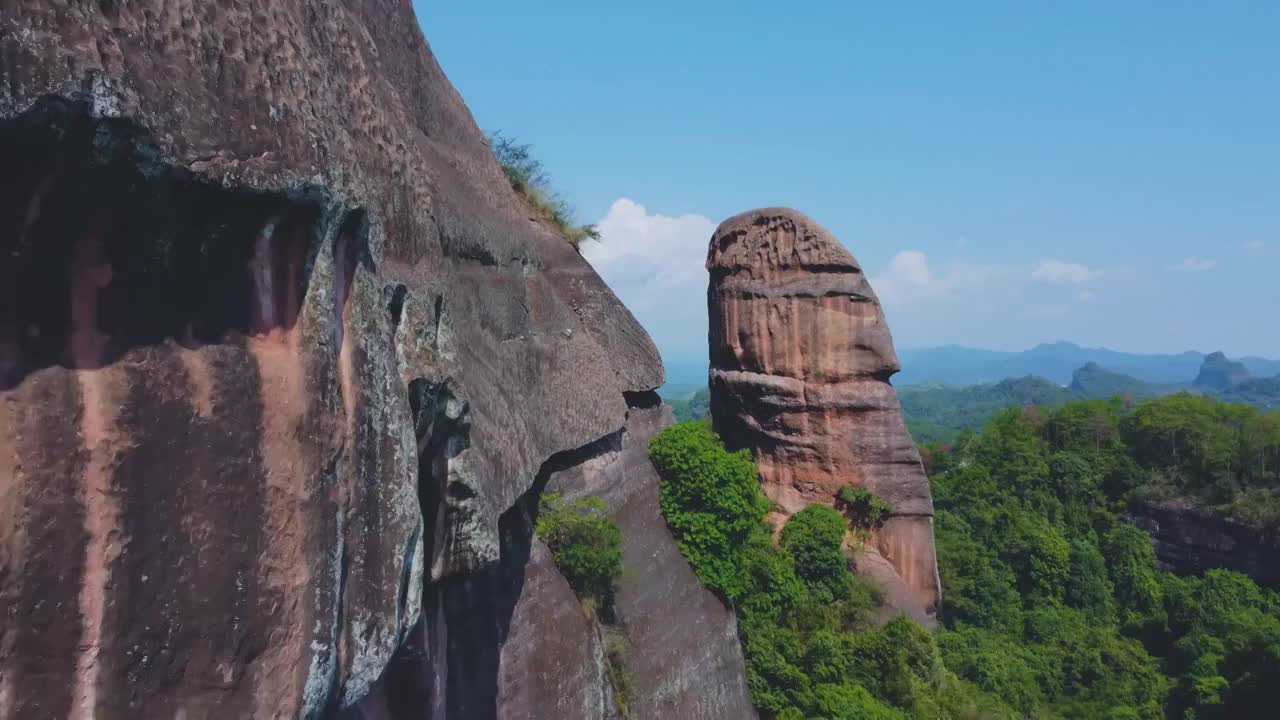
<point>800,364</point>
<point>1219,373</point>
<point>1189,539</point>
<point>279,347</point>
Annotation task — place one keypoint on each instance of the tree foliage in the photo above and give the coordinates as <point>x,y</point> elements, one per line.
<point>711,499</point>
<point>1054,602</point>
<point>865,510</point>
<point>811,646</point>
<point>585,543</point>
<point>1054,606</point>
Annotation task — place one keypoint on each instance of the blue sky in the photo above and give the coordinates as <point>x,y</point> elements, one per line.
<point>1007,173</point>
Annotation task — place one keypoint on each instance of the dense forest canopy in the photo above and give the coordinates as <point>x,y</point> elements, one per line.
<point>1054,601</point>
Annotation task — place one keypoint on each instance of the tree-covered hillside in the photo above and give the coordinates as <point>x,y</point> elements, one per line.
<point>1053,605</point>
<point>1053,601</point>
<point>937,412</point>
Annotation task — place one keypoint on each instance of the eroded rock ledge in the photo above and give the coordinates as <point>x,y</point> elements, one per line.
<point>800,364</point>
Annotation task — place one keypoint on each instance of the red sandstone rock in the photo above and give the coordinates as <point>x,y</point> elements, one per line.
<point>278,347</point>
<point>800,364</point>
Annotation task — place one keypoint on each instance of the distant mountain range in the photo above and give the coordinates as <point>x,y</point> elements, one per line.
<point>937,411</point>
<point>940,408</point>
<point>956,365</point>
<point>1057,362</point>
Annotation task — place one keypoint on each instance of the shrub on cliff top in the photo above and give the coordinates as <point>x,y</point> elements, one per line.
<point>530,180</point>
<point>585,543</point>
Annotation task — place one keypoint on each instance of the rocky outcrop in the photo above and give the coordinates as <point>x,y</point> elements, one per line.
<point>1219,373</point>
<point>279,347</point>
<point>682,649</point>
<point>800,364</point>
<point>513,641</point>
<point>1190,539</point>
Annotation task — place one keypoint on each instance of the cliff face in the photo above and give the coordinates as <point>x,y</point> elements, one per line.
<point>278,349</point>
<point>800,365</point>
<point>1189,539</point>
<point>515,643</point>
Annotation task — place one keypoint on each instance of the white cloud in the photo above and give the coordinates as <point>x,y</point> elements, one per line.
<point>910,279</point>
<point>1058,272</point>
<point>1193,264</point>
<point>656,265</point>
<point>1086,296</point>
<point>1254,248</point>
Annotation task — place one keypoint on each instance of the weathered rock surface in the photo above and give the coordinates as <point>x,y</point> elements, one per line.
<point>1190,539</point>
<point>800,364</point>
<point>682,642</point>
<point>278,347</point>
<point>517,644</point>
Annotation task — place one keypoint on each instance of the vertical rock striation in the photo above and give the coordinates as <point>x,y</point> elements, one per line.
<point>800,364</point>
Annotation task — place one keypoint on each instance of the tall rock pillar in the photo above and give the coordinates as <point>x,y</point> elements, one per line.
<point>801,358</point>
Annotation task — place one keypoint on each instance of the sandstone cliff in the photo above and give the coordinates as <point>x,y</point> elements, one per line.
<point>1190,539</point>
<point>800,364</point>
<point>279,352</point>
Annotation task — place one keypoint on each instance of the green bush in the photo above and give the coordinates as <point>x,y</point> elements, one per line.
<point>585,543</point>
<point>711,498</point>
<point>811,647</point>
<point>814,537</point>
<point>865,509</point>
<point>1055,603</point>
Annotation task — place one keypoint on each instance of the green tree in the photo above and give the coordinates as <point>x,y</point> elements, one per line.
<point>711,498</point>
<point>1040,556</point>
<point>585,543</point>
<point>1131,564</point>
<point>814,537</point>
<point>1088,585</point>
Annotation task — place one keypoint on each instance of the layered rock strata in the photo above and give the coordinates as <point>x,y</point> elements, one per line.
<point>800,364</point>
<point>279,347</point>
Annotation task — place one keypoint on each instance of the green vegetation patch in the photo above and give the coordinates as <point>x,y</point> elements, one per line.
<point>531,181</point>
<point>586,545</point>
<point>711,499</point>
<point>1053,600</point>
<point>806,623</point>
<point>864,509</point>
<point>1054,606</point>
<point>587,548</point>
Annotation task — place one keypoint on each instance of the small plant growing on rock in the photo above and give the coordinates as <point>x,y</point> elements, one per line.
<point>530,180</point>
<point>586,545</point>
<point>865,510</point>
